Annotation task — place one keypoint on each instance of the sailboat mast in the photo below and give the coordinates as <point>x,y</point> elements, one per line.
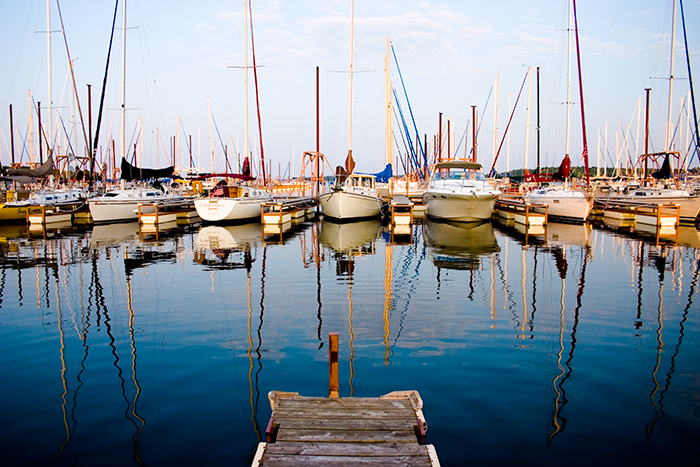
<point>580,87</point>
<point>245,77</point>
<point>669,123</point>
<point>527,118</point>
<point>123,148</point>
<point>389,122</point>
<point>568,85</point>
<point>48,54</point>
<point>352,34</point>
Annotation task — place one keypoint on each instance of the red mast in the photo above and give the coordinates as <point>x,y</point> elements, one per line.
<point>580,87</point>
<point>257,99</point>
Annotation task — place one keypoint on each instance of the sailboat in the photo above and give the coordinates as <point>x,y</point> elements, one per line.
<point>352,196</point>
<point>562,201</point>
<point>665,188</point>
<point>235,202</point>
<point>122,204</point>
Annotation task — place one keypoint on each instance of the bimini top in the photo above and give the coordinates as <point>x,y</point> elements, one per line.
<point>458,164</point>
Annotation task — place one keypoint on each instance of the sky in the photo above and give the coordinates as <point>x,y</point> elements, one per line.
<point>184,70</point>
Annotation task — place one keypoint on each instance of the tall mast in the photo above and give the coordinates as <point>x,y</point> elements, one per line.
<point>352,33</point>
<point>538,120</point>
<point>583,115</point>
<point>48,54</point>
<point>389,123</point>
<point>568,86</point>
<point>497,85</point>
<point>211,138</point>
<point>245,77</point>
<point>123,148</point>
<point>667,146</point>
<point>527,123</point>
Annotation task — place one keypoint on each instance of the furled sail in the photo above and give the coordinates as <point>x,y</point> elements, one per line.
<point>130,172</point>
<point>43,171</point>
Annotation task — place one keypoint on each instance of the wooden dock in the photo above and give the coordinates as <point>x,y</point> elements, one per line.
<point>522,212</point>
<point>281,211</point>
<point>359,431</point>
<point>310,431</point>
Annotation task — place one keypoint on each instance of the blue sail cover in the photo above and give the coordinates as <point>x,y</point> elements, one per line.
<point>384,175</point>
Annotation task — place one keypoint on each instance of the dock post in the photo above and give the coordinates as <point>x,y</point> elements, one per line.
<point>333,366</point>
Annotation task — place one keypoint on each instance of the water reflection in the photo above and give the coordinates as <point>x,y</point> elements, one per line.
<point>230,247</point>
<point>459,245</point>
<point>349,241</point>
<point>597,324</point>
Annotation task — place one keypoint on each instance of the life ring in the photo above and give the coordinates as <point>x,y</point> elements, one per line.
<point>197,187</point>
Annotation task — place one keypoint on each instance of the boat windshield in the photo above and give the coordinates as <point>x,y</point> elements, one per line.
<point>457,174</point>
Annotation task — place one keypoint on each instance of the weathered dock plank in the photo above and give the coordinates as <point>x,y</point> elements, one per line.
<point>314,431</point>
<point>347,449</point>
<point>311,461</point>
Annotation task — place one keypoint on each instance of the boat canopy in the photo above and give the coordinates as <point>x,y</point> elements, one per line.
<point>457,164</point>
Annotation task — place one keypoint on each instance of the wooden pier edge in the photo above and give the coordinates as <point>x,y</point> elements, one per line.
<point>338,431</point>
<point>334,431</point>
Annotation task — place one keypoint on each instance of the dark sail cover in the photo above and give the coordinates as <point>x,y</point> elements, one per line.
<point>43,171</point>
<point>665,170</point>
<point>129,172</point>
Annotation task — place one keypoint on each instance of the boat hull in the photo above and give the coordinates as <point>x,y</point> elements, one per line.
<point>117,211</point>
<point>229,209</point>
<point>690,205</point>
<point>10,213</point>
<point>344,206</point>
<point>459,207</point>
<point>571,207</point>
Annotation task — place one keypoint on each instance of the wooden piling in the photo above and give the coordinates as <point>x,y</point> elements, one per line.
<point>333,387</point>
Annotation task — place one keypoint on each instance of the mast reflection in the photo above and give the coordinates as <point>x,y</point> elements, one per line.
<point>349,241</point>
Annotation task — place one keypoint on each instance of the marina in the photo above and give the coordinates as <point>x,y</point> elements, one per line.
<point>166,300</point>
<point>121,348</point>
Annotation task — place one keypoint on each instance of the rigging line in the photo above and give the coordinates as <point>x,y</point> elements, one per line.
<point>222,144</point>
<point>104,88</point>
<point>72,74</point>
<point>187,143</point>
<point>414,157</point>
<point>70,146</point>
<point>478,130</point>
<point>19,54</point>
<point>503,138</point>
<point>464,135</point>
<point>422,150</point>
<point>690,78</point>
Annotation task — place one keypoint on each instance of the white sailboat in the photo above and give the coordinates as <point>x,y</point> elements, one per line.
<point>666,190</point>
<point>353,196</point>
<point>232,203</point>
<point>564,202</point>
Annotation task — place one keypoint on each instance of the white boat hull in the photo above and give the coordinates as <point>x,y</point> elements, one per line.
<point>117,211</point>
<point>342,205</point>
<point>690,205</point>
<point>573,207</point>
<point>460,207</point>
<point>229,209</point>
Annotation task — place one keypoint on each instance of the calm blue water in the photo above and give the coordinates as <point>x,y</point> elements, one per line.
<point>578,348</point>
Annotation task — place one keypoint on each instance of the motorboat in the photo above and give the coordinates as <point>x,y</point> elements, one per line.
<point>458,191</point>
